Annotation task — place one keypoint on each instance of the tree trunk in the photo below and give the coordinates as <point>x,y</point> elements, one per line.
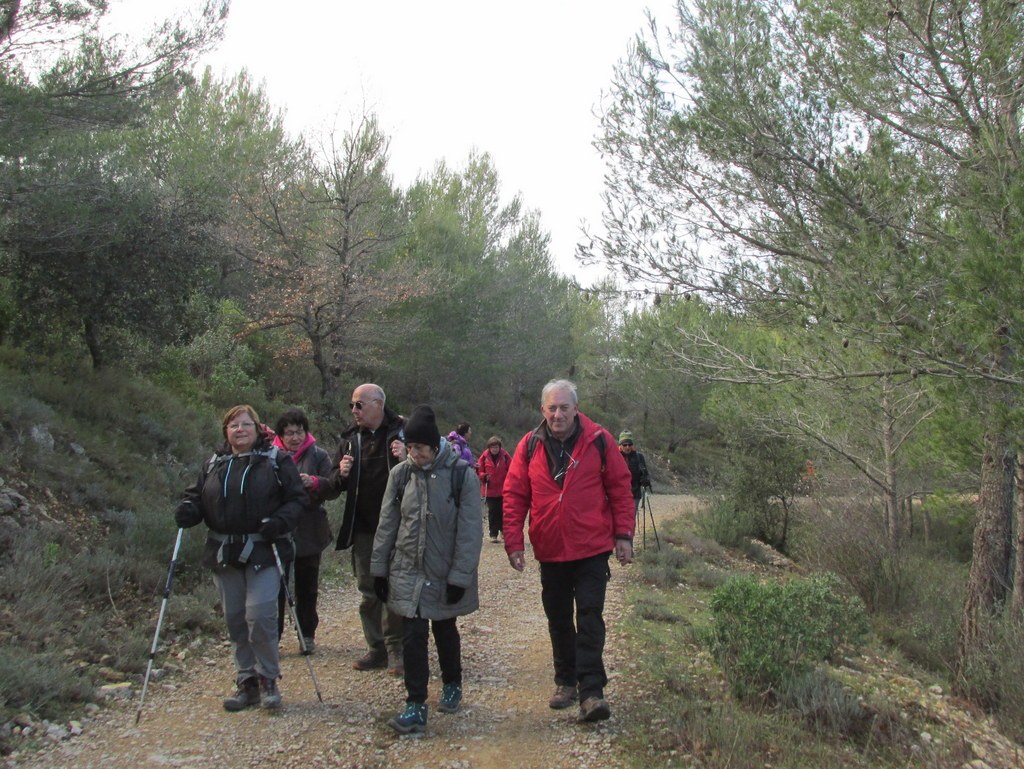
<point>986,585</point>
<point>92,341</point>
<point>1017,604</point>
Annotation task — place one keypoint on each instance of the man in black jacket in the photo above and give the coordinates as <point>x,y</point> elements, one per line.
<point>637,467</point>
<point>370,447</point>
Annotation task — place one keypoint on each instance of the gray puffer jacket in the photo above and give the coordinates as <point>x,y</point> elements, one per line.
<point>425,541</point>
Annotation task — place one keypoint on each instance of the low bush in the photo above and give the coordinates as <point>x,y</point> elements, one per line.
<point>765,633</point>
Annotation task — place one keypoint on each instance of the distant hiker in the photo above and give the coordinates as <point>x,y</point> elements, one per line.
<point>313,532</point>
<point>575,488</point>
<point>425,560</point>
<point>369,448</point>
<point>641,479</point>
<point>250,495</point>
<point>459,441</point>
<point>491,468</point>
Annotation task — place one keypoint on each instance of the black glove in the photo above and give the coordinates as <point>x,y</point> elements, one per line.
<point>453,593</point>
<point>380,587</point>
<point>186,515</point>
<point>272,528</point>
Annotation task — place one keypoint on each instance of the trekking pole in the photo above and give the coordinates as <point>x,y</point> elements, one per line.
<point>159,622</point>
<point>650,513</point>
<point>295,619</point>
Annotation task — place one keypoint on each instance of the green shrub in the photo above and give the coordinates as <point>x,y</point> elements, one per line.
<point>764,633</point>
<point>661,566</point>
<point>724,523</point>
<point>41,683</point>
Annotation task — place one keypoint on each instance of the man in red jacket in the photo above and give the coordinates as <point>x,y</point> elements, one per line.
<point>570,478</point>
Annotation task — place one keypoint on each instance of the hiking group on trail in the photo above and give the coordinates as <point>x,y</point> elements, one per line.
<point>412,520</point>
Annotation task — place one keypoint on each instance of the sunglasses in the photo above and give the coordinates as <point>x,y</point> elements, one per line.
<point>358,405</point>
<point>627,443</point>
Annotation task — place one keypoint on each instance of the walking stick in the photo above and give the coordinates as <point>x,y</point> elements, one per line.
<point>295,619</point>
<point>159,622</point>
<point>645,503</point>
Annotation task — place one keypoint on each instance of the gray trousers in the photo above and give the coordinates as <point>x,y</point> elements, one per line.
<point>249,598</point>
<point>382,628</point>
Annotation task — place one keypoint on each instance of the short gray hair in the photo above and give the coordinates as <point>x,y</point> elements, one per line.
<point>559,384</point>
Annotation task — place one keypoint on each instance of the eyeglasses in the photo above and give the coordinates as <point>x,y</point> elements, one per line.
<point>358,405</point>
<point>294,433</point>
<point>627,444</point>
<point>568,466</point>
<point>241,425</point>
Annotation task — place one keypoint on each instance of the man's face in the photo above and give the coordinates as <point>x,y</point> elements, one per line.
<point>367,408</point>
<point>626,447</point>
<point>559,412</point>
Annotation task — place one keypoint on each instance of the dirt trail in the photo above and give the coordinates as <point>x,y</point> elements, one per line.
<point>504,721</point>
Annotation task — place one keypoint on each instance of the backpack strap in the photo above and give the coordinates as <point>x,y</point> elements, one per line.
<point>534,439</point>
<point>458,480</point>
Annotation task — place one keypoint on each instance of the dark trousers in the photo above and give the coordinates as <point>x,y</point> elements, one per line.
<point>577,647</point>
<point>305,594</point>
<point>414,654</point>
<point>494,514</point>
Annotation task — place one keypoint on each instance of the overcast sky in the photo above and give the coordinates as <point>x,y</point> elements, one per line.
<point>520,81</point>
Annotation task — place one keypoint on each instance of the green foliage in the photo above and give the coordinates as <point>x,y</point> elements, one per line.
<point>766,633</point>
<point>661,566</point>
<point>722,522</point>
<point>41,682</point>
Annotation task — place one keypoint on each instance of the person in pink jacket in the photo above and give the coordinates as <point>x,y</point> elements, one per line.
<point>569,476</point>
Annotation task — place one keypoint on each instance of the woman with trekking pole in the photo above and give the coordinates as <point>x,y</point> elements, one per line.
<point>250,496</point>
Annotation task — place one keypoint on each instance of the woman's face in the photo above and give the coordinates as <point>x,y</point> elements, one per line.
<point>241,432</point>
<point>495,448</point>
<point>293,437</point>
<point>420,453</point>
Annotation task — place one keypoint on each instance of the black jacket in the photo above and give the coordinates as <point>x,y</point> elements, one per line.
<point>372,493</point>
<point>255,491</point>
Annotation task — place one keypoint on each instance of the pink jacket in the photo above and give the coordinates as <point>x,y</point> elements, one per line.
<point>582,517</point>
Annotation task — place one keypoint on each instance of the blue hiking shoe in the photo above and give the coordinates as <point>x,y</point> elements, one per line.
<point>451,696</point>
<point>412,719</point>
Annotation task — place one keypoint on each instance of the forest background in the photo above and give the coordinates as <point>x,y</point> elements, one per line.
<point>813,231</point>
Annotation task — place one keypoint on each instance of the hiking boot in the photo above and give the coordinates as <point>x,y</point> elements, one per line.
<point>494,540</point>
<point>451,696</point>
<point>310,645</point>
<point>594,709</point>
<point>270,697</point>
<point>371,660</point>
<point>563,697</point>
<point>412,719</point>
<point>396,666</point>
<point>246,695</point>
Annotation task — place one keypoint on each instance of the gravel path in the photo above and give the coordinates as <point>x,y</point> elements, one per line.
<point>504,721</point>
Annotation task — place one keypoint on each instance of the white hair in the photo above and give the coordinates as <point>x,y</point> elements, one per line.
<point>559,384</point>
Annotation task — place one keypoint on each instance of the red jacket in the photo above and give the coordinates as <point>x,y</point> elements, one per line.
<point>580,519</point>
<point>492,472</point>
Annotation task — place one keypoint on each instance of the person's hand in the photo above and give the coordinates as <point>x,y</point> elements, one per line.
<point>624,551</point>
<point>398,450</point>
<point>453,593</point>
<point>307,480</point>
<point>381,589</point>
<point>186,515</point>
<point>517,560</point>
<point>345,465</point>
<point>272,528</point>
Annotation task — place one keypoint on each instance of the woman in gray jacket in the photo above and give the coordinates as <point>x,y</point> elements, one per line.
<point>425,558</point>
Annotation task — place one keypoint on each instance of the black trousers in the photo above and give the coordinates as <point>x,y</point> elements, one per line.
<point>414,654</point>
<point>305,594</point>
<point>494,513</point>
<point>577,646</point>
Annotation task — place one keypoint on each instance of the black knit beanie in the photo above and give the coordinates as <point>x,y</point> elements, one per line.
<point>421,427</point>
